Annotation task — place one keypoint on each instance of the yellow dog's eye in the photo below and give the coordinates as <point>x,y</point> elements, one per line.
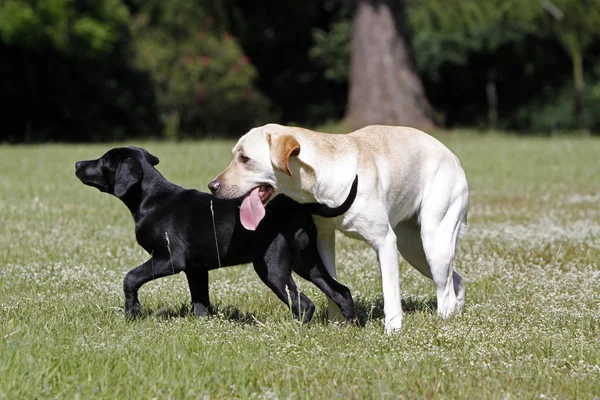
<point>244,159</point>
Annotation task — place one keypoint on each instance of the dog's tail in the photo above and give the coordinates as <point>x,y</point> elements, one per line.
<point>330,212</point>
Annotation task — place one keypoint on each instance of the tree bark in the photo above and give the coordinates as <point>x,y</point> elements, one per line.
<point>384,86</point>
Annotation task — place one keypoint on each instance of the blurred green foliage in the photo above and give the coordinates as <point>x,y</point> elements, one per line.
<point>203,81</point>
<point>80,70</point>
<point>554,111</point>
<point>331,48</point>
<point>277,36</point>
<point>462,45</point>
<point>456,31</point>
<point>67,74</point>
<point>66,26</point>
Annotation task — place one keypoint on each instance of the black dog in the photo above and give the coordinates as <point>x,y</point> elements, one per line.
<point>179,230</point>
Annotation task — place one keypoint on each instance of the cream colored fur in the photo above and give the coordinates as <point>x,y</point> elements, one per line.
<point>412,198</point>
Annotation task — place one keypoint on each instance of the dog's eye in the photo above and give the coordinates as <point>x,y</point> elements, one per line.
<point>244,159</point>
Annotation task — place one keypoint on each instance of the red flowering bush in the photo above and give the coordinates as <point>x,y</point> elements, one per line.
<point>204,82</point>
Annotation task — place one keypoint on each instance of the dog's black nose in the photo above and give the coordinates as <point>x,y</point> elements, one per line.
<point>78,165</point>
<point>214,186</point>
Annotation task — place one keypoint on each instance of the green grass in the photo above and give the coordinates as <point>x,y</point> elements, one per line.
<point>531,326</point>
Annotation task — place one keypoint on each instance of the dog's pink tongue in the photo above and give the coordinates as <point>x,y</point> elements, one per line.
<point>252,211</point>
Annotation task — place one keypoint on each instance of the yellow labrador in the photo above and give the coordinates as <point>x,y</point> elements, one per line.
<point>412,196</point>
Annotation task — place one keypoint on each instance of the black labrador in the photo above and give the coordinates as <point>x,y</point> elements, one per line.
<point>180,228</point>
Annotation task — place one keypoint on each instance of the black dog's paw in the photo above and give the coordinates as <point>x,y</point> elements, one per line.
<point>200,310</point>
<point>132,312</point>
<point>307,314</point>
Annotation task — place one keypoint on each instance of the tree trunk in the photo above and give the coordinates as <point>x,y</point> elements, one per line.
<point>384,86</point>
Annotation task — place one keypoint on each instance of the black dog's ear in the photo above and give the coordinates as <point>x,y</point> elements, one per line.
<point>128,174</point>
<point>151,158</point>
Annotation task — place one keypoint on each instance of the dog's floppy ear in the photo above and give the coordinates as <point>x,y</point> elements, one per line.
<point>282,147</point>
<point>128,174</point>
<point>151,158</point>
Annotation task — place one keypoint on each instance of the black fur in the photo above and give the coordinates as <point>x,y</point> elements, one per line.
<point>175,226</point>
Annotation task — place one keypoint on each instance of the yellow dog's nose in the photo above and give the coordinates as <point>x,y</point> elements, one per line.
<point>214,186</point>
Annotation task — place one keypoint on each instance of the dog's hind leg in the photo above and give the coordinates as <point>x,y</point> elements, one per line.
<point>275,270</point>
<point>460,288</point>
<point>440,237</point>
<point>410,246</point>
<point>287,291</point>
<point>312,269</point>
<point>302,307</point>
<point>326,249</point>
<point>198,283</point>
<point>148,271</point>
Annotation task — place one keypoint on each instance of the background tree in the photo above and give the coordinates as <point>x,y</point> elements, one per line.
<point>451,31</point>
<point>384,86</point>
<point>83,70</point>
<point>576,24</point>
<point>277,36</point>
<point>67,74</point>
<point>202,80</point>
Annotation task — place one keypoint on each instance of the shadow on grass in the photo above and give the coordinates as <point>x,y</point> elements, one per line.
<point>372,309</point>
<point>366,310</point>
<point>225,312</point>
<point>229,313</point>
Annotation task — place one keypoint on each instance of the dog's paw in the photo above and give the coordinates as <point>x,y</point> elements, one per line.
<point>199,310</point>
<point>307,314</point>
<point>448,309</point>
<point>393,325</point>
<point>132,311</point>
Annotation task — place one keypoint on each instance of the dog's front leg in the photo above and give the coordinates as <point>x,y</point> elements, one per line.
<point>198,283</point>
<point>387,254</point>
<point>326,248</point>
<point>152,269</point>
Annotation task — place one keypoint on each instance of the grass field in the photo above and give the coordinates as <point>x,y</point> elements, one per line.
<point>531,326</point>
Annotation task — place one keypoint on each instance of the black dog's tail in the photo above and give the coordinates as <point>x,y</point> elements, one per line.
<point>329,212</point>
